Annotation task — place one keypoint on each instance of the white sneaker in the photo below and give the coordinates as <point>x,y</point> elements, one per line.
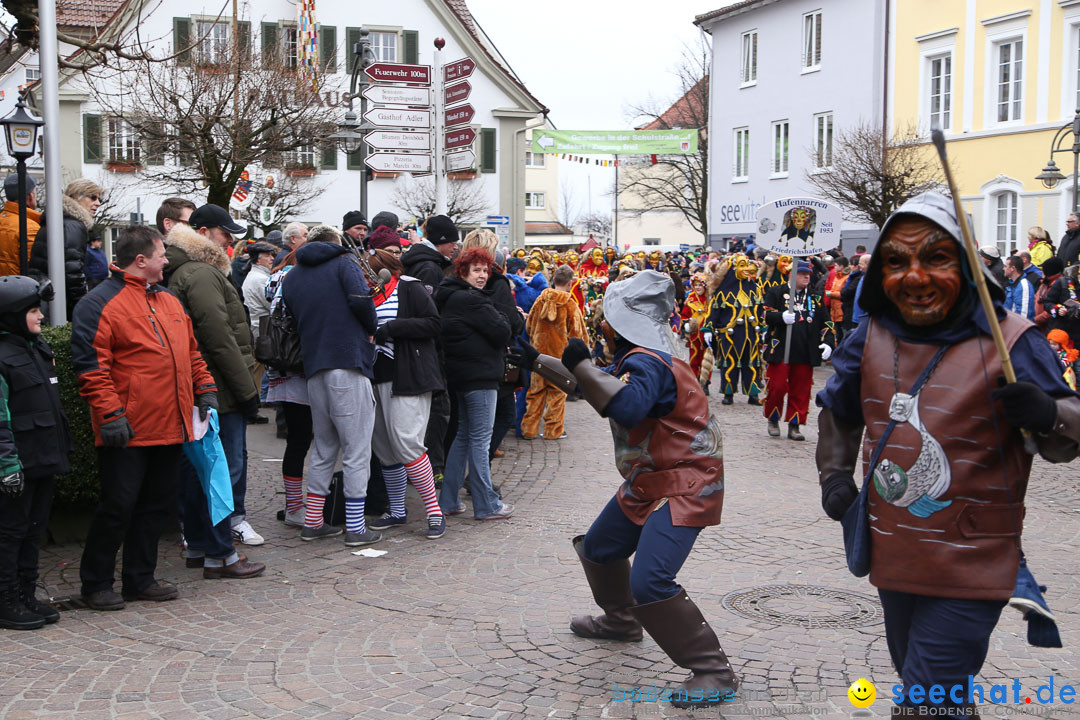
<point>295,519</point>
<point>246,534</point>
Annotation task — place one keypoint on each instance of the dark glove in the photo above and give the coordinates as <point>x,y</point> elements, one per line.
<point>524,355</point>
<point>576,352</point>
<point>382,334</point>
<point>249,408</point>
<point>204,402</point>
<point>12,485</point>
<point>116,433</point>
<point>1026,405</point>
<point>838,491</point>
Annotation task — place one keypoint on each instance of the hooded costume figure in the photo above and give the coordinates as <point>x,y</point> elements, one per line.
<point>670,454</point>
<point>945,501</point>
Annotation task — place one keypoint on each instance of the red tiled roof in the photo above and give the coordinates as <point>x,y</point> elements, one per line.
<point>86,13</point>
<point>689,111</point>
<point>725,10</point>
<point>547,228</point>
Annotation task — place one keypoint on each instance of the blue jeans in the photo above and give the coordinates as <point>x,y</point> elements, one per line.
<point>214,541</point>
<point>476,418</point>
<point>661,549</point>
<point>234,441</point>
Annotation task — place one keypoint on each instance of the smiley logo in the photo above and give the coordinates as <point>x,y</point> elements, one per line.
<point>862,693</point>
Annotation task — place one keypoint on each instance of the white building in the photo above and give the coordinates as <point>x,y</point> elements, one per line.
<point>96,146</point>
<point>787,76</point>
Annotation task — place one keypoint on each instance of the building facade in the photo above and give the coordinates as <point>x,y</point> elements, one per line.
<point>787,77</point>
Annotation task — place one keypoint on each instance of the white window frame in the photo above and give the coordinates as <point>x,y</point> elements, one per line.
<point>947,111</point>
<point>992,192</point>
<point>748,59</point>
<point>823,157</point>
<point>740,154</point>
<point>212,50</point>
<point>124,143</point>
<point>998,33</point>
<point>535,200</point>
<point>383,52</point>
<point>1001,202</point>
<point>290,46</point>
<point>812,47</point>
<point>32,70</point>
<point>531,160</point>
<point>780,142</point>
<point>1009,94</point>
<point>1070,63</point>
<point>303,156</point>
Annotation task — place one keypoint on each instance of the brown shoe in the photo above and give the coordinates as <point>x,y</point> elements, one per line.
<point>194,563</point>
<point>498,453</point>
<point>157,591</point>
<point>239,570</point>
<point>610,584</point>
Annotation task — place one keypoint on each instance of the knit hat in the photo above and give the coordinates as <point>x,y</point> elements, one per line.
<point>385,218</point>
<point>1053,266</point>
<point>274,238</point>
<point>1062,338</point>
<point>441,230</point>
<point>383,237</point>
<point>354,218</point>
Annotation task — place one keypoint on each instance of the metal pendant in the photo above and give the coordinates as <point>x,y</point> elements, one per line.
<point>901,406</point>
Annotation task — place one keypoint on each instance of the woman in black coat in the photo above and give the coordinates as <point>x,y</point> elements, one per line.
<point>81,200</point>
<point>474,337</point>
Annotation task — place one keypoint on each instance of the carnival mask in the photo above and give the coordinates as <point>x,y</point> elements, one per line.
<point>572,258</point>
<point>610,254</point>
<point>744,269</point>
<point>654,257</point>
<point>520,252</point>
<point>598,256</point>
<point>799,217</point>
<point>784,264</point>
<point>921,271</point>
<point>640,255</point>
<point>534,266</point>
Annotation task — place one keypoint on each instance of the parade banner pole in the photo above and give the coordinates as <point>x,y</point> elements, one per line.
<point>790,305</point>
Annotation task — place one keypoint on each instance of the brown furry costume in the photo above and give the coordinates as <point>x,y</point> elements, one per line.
<point>553,320</point>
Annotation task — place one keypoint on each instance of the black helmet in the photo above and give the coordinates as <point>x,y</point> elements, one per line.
<point>19,293</point>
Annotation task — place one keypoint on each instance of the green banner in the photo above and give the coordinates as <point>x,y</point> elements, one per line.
<point>616,142</point>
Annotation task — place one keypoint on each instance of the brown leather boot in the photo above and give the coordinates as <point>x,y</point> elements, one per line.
<point>679,628</point>
<point>610,585</point>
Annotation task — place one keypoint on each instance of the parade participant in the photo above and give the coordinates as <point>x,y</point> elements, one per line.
<point>526,288</point>
<point>572,259</point>
<point>773,272</point>
<point>734,317</point>
<point>695,315</point>
<point>610,255</point>
<point>654,261</point>
<point>34,444</point>
<point>792,379</point>
<point>593,272</point>
<point>1066,353</point>
<point>946,498</point>
<point>669,452</point>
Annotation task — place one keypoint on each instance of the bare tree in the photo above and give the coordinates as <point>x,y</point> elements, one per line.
<point>290,196</point>
<point>201,119</point>
<point>466,203</point>
<point>597,223</point>
<point>872,175</point>
<point>676,182</point>
<point>568,207</point>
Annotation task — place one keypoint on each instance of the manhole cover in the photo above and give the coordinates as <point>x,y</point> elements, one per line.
<point>804,605</point>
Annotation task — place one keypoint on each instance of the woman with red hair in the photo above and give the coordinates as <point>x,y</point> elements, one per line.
<point>474,338</point>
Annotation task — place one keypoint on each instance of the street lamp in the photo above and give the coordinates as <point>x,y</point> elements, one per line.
<point>21,133</point>
<point>1051,176</point>
<point>351,130</point>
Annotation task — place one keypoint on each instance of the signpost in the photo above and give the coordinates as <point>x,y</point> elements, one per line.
<point>398,95</point>
<point>395,117</point>
<point>399,162</point>
<point>501,226</point>
<point>458,69</point>
<point>616,142</point>
<point>460,115</point>
<point>457,92</point>
<point>459,138</point>
<point>456,162</point>
<point>389,140</point>
<point>399,73</point>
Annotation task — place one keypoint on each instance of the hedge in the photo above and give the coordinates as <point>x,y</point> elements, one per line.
<point>79,488</point>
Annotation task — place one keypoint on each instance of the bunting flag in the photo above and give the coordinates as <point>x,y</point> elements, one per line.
<point>307,44</point>
<point>592,161</point>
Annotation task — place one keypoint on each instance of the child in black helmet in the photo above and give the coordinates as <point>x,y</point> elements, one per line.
<point>34,444</point>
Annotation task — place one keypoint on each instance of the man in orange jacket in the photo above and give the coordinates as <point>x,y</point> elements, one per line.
<point>140,369</point>
<point>9,224</point>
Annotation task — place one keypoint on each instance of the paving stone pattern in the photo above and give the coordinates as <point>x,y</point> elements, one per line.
<point>475,625</point>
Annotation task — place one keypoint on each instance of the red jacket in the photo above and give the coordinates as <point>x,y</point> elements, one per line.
<point>135,355</point>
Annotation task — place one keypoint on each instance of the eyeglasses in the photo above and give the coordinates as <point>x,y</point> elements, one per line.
<point>94,198</point>
<point>393,251</point>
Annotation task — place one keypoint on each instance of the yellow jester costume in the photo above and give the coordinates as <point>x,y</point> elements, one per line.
<point>734,318</point>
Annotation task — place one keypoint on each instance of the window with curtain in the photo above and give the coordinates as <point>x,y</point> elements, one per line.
<point>812,41</point>
<point>384,46</point>
<point>823,139</point>
<point>1010,80</point>
<point>940,100</point>
<point>749,58</point>
<point>741,170</point>
<point>124,145</point>
<point>1007,210</point>
<point>780,148</point>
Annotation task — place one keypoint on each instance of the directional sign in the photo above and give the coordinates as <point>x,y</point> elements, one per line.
<point>460,115</point>
<point>460,161</point>
<point>462,137</point>
<point>395,117</point>
<point>398,162</point>
<point>457,92</point>
<point>399,73</point>
<point>386,140</point>
<point>397,95</point>
<point>458,69</point>
<point>616,142</point>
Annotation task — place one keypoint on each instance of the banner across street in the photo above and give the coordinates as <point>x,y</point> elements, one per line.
<point>616,142</point>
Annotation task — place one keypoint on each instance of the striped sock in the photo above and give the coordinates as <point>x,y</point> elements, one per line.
<point>420,475</point>
<point>395,478</point>
<point>294,493</point>
<point>313,517</point>
<point>354,516</point>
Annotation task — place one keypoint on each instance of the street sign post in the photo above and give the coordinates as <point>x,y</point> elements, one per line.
<point>458,69</point>
<point>458,161</point>
<point>399,162</point>
<point>396,117</point>
<point>460,115</point>
<point>388,140</point>
<point>459,138</point>
<point>457,92</point>
<point>501,225</point>
<point>398,95</point>
<point>616,142</point>
<point>399,73</point>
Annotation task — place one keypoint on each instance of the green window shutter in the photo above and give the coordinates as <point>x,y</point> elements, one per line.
<point>487,150</point>
<point>352,36</point>
<point>92,138</point>
<point>411,43</point>
<point>154,147</point>
<point>328,156</point>
<point>328,48</point>
<point>182,39</point>
<point>353,161</point>
<point>243,39</point>
<point>269,35</point>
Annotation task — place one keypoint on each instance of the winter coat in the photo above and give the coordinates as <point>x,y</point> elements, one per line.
<point>96,267</point>
<point>1042,310</point>
<point>806,334</point>
<point>553,321</point>
<point>254,293</point>
<point>34,432</point>
<point>1041,252</point>
<point>134,352</point>
<point>499,287</point>
<point>526,290</point>
<point>1063,315</point>
<point>835,292</point>
<point>198,274</point>
<point>77,224</point>
<point>997,269</point>
<point>1068,248</point>
<point>474,336</point>
<point>240,267</point>
<point>1020,298</point>
<point>327,294</point>
<point>426,264</point>
<point>847,295</point>
<point>414,331</point>
<point>9,237</point>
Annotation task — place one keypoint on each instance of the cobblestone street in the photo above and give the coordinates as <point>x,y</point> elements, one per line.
<point>476,624</point>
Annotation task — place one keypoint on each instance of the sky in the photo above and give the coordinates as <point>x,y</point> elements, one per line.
<point>589,60</point>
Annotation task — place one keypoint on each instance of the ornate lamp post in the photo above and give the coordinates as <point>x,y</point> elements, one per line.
<point>1050,175</point>
<point>21,132</point>
<point>351,130</point>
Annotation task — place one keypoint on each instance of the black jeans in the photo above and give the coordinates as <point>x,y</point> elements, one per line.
<point>214,541</point>
<point>22,522</point>
<point>505,411</point>
<point>298,418</point>
<point>138,496</point>
<point>438,420</point>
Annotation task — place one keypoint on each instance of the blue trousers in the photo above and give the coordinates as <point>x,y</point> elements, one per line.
<point>937,641</point>
<point>214,541</point>
<point>233,434</point>
<point>476,417</point>
<point>661,549</point>
<point>519,399</point>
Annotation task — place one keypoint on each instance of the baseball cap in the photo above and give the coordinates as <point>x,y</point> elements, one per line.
<point>210,216</point>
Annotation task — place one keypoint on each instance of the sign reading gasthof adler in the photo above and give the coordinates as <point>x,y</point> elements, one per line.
<point>799,226</point>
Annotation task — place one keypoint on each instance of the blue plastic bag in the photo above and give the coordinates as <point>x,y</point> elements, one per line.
<point>208,457</point>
